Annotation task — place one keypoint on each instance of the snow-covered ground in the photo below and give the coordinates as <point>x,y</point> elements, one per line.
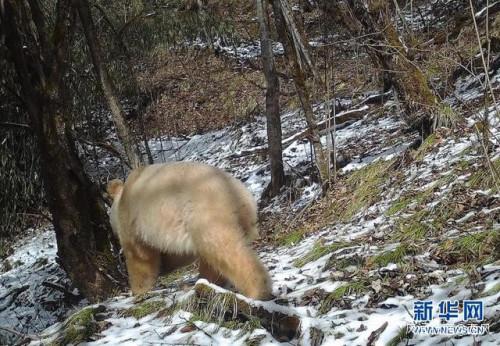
<point>374,314</point>
<point>324,277</point>
<point>29,298</point>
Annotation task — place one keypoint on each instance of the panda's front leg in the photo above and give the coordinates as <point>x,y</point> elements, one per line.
<point>143,266</point>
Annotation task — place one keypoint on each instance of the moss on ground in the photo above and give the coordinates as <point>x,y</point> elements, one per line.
<point>170,278</point>
<point>319,250</point>
<point>79,327</point>
<point>146,308</point>
<point>352,288</point>
<point>5,249</point>
<point>426,147</point>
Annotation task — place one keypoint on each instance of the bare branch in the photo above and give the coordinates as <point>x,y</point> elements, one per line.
<point>9,124</point>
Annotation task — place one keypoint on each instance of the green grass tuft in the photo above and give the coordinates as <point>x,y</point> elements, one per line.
<point>483,179</point>
<point>291,238</point>
<point>462,166</point>
<point>447,117</point>
<point>146,308</point>
<point>355,287</point>
<point>244,327</point>
<point>340,264</point>
<point>492,291</point>
<point>5,249</point>
<point>395,256</point>
<point>429,221</point>
<point>213,309</point>
<point>318,251</point>
<point>397,206</point>
<point>412,228</point>
<point>477,248</point>
<point>366,186</point>
<point>402,335</point>
<point>417,198</point>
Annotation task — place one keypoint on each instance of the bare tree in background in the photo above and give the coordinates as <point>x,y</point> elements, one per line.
<point>299,61</point>
<point>372,20</point>
<point>274,135</point>
<point>37,49</point>
<point>123,131</point>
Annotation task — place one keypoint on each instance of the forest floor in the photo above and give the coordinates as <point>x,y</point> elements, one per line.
<point>400,225</point>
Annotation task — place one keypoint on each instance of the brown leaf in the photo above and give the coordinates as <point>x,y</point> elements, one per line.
<point>188,328</point>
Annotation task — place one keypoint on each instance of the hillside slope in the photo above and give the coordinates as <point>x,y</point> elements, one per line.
<point>399,226</point>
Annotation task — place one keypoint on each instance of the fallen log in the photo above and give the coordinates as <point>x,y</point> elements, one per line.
<point>220,307</point>
<point>13,295</point>
<point>68,295</point>
<point>340,119</point>
<point>376,334</point>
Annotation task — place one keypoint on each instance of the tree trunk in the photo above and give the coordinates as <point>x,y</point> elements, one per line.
<point>293,56</point>
<point>385,47</point>
<point>122,129</point>
<point>274,135</point>
<point>78,213</point>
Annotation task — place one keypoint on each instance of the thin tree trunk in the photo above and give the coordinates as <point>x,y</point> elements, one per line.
<point>297,37</point>
<point>292,55</point>
<point>274,134</point>
<point>129,143</point>
<point>78,214</point>
<point>118,34</point>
